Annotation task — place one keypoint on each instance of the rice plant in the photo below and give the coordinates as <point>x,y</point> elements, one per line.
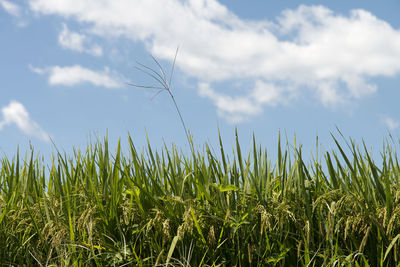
<point>163,208</point>
<point>164,84</point>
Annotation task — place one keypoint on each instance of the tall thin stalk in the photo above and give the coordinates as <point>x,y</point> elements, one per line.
<point>165,85</point>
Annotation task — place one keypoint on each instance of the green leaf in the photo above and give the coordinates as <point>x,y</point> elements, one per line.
<point>171,249</point>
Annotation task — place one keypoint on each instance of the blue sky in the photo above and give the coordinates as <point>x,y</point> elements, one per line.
<point>261,66</point>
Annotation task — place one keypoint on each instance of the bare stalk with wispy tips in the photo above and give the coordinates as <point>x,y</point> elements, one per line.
<point>164,85</point>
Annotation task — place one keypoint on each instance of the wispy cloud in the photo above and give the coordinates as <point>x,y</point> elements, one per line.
<point>10,8</point>
<point>308,49</point>
<point>15,113</point>
<point>77,42</point>
<point>389,122</point>
<point>73,75</point>
<point>233,109</point>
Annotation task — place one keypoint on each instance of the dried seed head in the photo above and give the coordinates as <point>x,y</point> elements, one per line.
<point>265,218</point>
<point>181,231</point>
<point>211,236</point>
<point>307,230</point>
<point>188,221</point>
<point>166,229</point>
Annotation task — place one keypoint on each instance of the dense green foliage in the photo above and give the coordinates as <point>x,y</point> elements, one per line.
<point>165,208</point>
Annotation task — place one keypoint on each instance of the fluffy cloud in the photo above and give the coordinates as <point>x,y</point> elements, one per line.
<point>15,113</point>
<point>239,108</point>
<point>233,109</point>
<point>10,8</point>
<point>73,75</point>
<point>77,42</point>
<point>391,123</point>
<point>309,49</point>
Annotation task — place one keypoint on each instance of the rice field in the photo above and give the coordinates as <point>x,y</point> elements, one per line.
<point>209,208</point>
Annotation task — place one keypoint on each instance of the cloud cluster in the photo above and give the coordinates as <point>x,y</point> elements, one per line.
<point>15,113</point>
<point>73,75</point>
<point>77,42</point>
<point>240,108</point>
<point>390,123</point>
<point>10,8</point>
<point>307,50</point>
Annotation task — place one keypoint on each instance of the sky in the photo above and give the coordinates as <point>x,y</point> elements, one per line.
<point>299,68</point>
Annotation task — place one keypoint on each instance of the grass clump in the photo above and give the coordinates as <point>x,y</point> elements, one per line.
<point>160,208</point>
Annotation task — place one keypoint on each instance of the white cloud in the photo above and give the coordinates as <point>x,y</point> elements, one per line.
<point>309,49</point>
<point>71,40</point>
<point>73,75</point>
<point>36,70</point>
<point>271,94</point>
<point>15,113</point>
<point>239,108</point>
<point>233,109</point>
<point>391,123</point>
<point>10,8</point>
<point>77,42</point>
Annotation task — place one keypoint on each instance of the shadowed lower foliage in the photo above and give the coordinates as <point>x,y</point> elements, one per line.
<point>160,208</point>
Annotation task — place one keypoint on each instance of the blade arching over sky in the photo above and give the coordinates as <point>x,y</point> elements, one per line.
<point>336,56</point>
